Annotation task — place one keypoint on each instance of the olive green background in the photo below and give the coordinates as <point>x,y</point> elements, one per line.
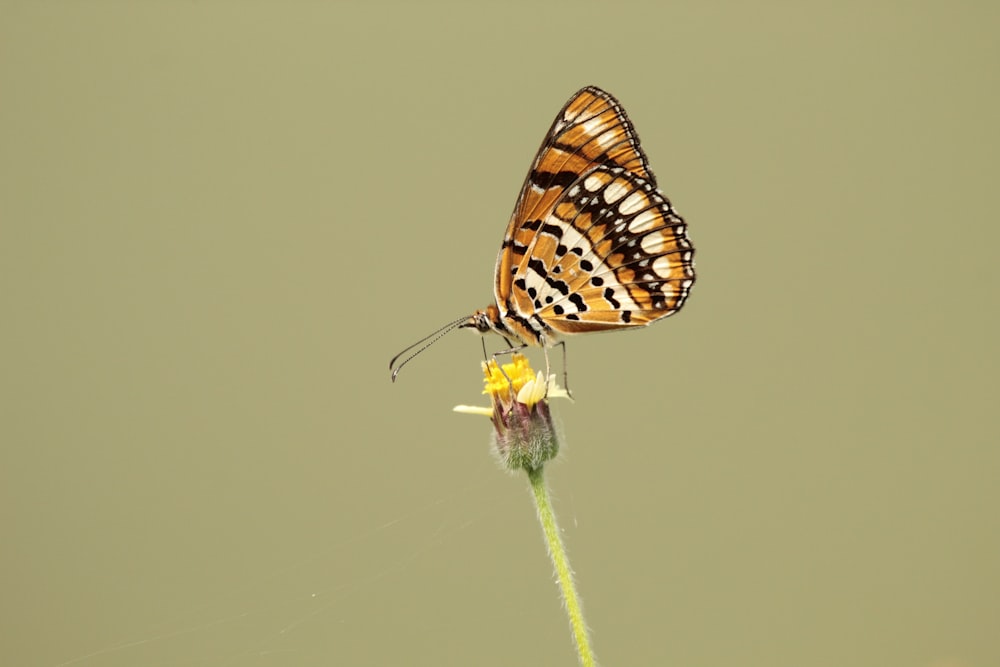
<point>220,221</point>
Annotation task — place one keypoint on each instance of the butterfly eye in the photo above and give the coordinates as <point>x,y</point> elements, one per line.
<point>482,323</point>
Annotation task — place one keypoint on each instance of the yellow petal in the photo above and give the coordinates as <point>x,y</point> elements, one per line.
<point>473,410</point>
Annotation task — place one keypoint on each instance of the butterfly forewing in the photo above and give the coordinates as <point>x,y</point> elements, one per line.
<point>593,245</point>
<point>590,130</point>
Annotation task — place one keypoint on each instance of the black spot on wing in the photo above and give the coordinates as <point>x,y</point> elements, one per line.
<point>515,247</point>
<point>548,179</point>
<point>555,231</point>
<point>609,295</point>
<point>558,285</point>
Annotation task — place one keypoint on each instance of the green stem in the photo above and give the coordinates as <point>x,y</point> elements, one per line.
<point>558,554</point>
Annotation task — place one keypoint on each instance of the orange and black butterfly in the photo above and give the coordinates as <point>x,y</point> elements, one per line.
<point>592,245</point>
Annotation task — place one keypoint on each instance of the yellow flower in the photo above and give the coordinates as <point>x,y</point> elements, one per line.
<point>524,434</point>
<point>515,374</point>
<point>529,387</point>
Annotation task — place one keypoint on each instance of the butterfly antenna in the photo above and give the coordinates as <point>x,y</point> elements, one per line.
<point>423,344</point>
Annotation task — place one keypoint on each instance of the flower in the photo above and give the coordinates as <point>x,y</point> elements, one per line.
<point>524,435</point>
<point>525,438</point>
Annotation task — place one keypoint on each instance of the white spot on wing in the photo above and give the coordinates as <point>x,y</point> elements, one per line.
<point>593,125</point>
<point>593,183</point>
<point>614,192</point>
<point>607,138</point>
<point>643,221</point>
<point>662,266</point>
<point>532,279</point>
<point>632,203</point>
<point>652,243</point>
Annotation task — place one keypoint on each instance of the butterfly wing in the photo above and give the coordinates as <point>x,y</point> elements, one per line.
<point>592,244</point>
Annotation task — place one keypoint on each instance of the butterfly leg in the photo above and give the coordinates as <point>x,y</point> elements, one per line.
<point>486,358</point>
<point>562,344</point>
<point>545,351</point>
<point>512,350</point>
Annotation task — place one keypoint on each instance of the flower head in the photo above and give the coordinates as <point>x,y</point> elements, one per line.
<point>524,435</point>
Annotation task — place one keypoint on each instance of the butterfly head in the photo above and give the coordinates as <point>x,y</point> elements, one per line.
<point>484,320</point>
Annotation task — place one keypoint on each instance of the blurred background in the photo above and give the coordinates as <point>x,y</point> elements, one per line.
<point>219,220</point>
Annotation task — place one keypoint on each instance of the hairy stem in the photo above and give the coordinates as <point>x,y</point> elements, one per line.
<point>563,572</point>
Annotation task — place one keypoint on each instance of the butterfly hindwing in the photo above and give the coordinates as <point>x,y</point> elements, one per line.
<point>621,257</point>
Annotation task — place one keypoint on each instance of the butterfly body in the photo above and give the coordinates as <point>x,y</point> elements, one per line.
<point>592,244</point>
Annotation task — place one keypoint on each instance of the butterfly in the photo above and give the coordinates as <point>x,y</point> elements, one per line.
<point>592,245</point>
